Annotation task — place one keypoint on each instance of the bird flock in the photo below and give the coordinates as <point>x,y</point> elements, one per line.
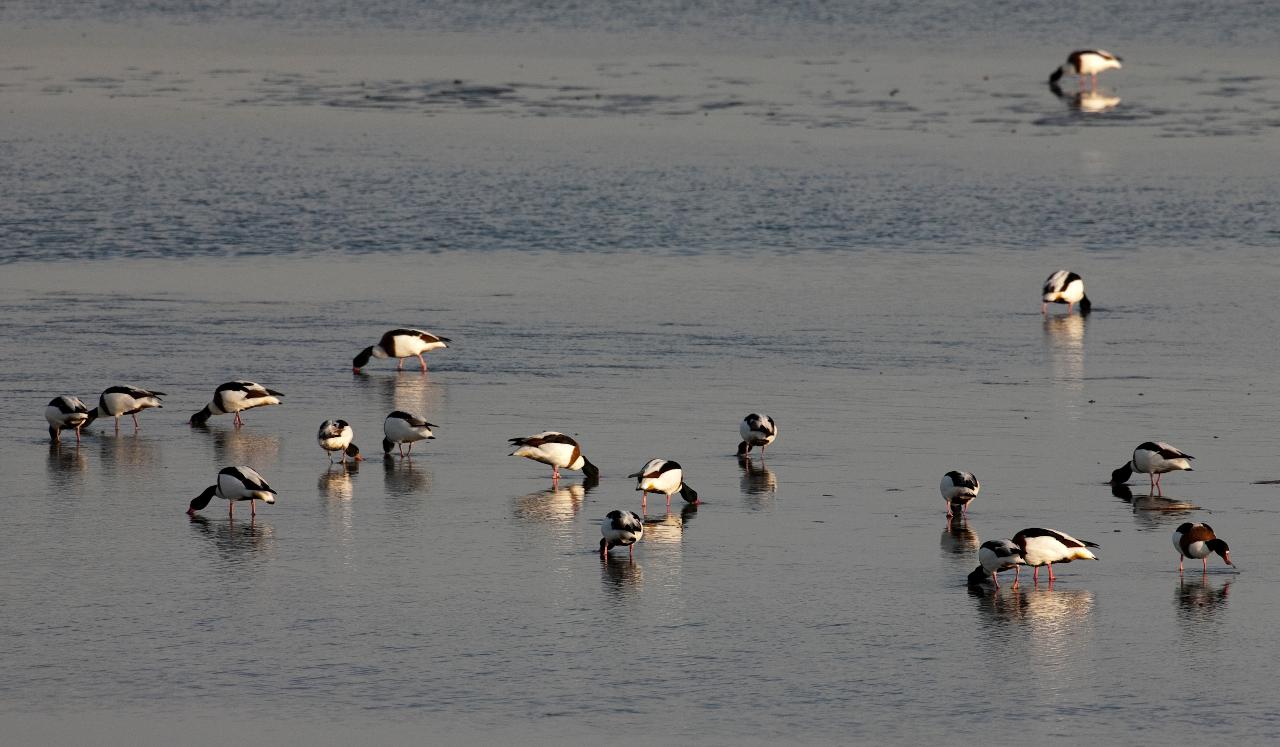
<point>1035,547</point>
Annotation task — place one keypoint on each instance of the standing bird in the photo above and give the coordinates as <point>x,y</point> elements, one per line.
<point>756,430</point>
<point>65,412</point>
<point>1154,458</point>
<point>1065,287</point>
<point>402,428</point>
<point>400,343</point>
<point>557,450</point>
<point>1199,541</point>
<point>958,490</point>
<point>235,484</point>
<point>1086,62</point>
<point>1048,546</point>
<point>335,436</point>
<point>124,400</point>
<point>620,529</point>
<point>996,556</point>
<point>234,397</point>
<point>662,476</point>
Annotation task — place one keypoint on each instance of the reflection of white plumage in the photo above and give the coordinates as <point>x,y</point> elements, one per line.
<point>620,529</point>
<point>65,412</point>
<point>756,430</point>
<point>235,484</point>
<point>402,428</point>
<point>1048,546</point>
<point>555,449</point>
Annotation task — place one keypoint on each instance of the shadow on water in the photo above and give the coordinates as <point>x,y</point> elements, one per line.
<point>237,542</point>
<point>403,477</point>
<point>233,446</point>
<point>556,505</point>
<point>757,480</point>
<point>1199,599</point>
<point>958,538</point>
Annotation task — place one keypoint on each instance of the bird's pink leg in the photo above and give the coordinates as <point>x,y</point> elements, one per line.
<point>1179,562</point>
<point>400,365</point>
<point>1051,576</point>
<point>1070,306</point>
<point>644,500</point>
<point>1205,560</point>
<point>668,501</point>
<point>944,500</point>
<point>423,362</point>
<point>135,422</point>
<point>77,436</point>
<point>231,510</point>
<point>1035,574</point>
<point>995,580</point>
<point>1044,308</point>
<point>253,508</point>
<point>117,425</point>
<point>631,551</point>
<point>238,421</point>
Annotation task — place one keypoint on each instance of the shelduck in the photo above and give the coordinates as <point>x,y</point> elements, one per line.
<point>235,484</point>
<point>335,437</point>
<point>995,556</point>
<point>958,490</point>
<point>756,430</point>
<point>1088,62</point>
<point>620,529</point>
<point>1199,541</point>
<point>234,397</point>
<point>1064,287</point>
<point>1048,546</point>
<point>65,412</point>
<point>556,449</point>
<point>124,400</point>
<point>400,343</point>
<point>402,428</point>
<point>663,476</point>
<point>1153,458</point>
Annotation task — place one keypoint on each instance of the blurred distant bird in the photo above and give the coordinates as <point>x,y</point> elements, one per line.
<point>958,490</point>
<point>65,412</point>
<point>756,430</point>
<point>235,484</point>
<point>995,556</point>
<point>1065,287</point>
<point>1088,62</point>
<point>402,428</point>
<point>662,476</point>
<point>335,436</point>
<point>620,529</point>
<point>400,343</point>
<point>124,400</point>
<point>556,449</point>
<point>234,397</point>
<point>1048,546</point>
<point>1153,458</point>
<point>1199,541</point>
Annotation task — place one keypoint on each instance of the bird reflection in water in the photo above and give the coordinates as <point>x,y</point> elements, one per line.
<point>1087,101</point>
<point>410,391</point>
<point>668,528</point>
<point>65,467</point>
<point>128,454</point>
<point>336,483</point>
<point>1153,511</point>
<point>1199,599</point>
<point>958,538</point>
<point>555,505</point>
<point>757,479</point>
<point>621,575</point>
<point>236,541</point>
<point>238,446</point>
<point>403,477</point>
<point>1065,335</point>
<point>1054,619</point>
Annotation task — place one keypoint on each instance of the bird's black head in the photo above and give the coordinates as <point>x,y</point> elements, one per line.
<point>977,577</point>
<point>1121,475</point>
<point>1056,76</point>
<point>387,445</point>
<point>590,470</point>
<point>1220,546</point>
<point>1085,305</point>
<point>689,494</point>
<point>353,451</point>
<point>202,417</point>
<point>361,359</point>
<point>202,500</point>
